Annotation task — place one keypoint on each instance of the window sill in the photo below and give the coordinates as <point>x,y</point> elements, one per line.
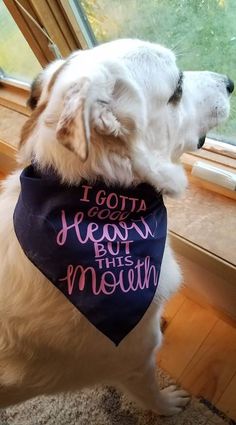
<point>206,219</point>
<point>214,158</point>
<point>14,98</point>
<point>207,279</point>
<point>216,152</point>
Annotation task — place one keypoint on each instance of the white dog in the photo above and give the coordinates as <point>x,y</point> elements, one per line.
<point>121,113</point>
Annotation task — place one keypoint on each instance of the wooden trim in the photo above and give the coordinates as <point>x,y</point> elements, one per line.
<point>196,297</point>
<point>37,41</point>
<point>216,152</point>
<point>64,25</point>
<point>7,158</point>
<point>15,98</point>
<point>207,277</point>
<point>216,158</point>
<point>188,160</point>
<point>222,148</point>
<point>52,17</point>
<point>7,149</point>
<point>49,13</point>
<point>69,13</point>
<point>204,184</point>
<point>204,258</point>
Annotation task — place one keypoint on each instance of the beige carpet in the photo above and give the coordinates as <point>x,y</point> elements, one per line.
<point>102,406</point>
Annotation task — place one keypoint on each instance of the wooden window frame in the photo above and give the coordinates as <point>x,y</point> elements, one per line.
<point>51,16</point>
<point>14,97</point>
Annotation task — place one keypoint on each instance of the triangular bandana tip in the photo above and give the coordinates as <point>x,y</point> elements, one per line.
<point>101,246</point>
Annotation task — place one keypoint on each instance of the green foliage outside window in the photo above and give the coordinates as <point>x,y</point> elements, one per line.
<point>202,33</point>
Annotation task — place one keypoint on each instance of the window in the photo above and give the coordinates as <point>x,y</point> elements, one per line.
<point>201,32</point>
<point>16,58</point>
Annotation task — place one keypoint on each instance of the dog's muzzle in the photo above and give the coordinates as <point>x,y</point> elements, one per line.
<point>201,142</point>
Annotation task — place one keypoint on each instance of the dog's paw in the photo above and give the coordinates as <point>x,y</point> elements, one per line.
<point>173,400</point>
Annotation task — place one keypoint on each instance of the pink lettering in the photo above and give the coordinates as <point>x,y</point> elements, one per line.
<point>143,206</point>
<point>100,200</point>
<point>78,277</point>
<point>85,195</point>
<point>110,231</point>
<point>110,262</point>
<point>123,202</point>
<point>99,249</point>
<point>113,248</point>
<point>71,275</point>
<point>112,201</point>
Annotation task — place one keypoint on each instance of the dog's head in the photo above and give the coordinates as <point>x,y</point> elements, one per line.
<point>119,109</point>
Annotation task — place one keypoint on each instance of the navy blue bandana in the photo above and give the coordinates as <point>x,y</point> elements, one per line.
<point>101,246</point>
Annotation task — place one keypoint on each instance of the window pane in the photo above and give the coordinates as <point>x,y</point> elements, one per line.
<point>16,58</point>
<point>202,33</point>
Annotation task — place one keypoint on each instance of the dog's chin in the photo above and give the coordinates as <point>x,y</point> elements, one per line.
<point>197,143</point>
<point>191,146</point>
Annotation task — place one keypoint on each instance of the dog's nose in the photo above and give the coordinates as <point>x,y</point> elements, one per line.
<point>229,86</point>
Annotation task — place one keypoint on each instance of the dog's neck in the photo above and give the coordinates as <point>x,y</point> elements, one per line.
<point>73,175</point>
<point>109,166</point>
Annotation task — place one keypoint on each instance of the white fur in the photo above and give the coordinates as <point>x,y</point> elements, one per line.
<point>46,345</point>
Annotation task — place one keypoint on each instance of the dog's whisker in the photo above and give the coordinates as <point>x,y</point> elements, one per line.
<point>182,52</point>
<point>177,44</point>
<point>178,55</point>
<point>180,48</point>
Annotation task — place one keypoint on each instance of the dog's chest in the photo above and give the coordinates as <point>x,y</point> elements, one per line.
<point>102,247</point>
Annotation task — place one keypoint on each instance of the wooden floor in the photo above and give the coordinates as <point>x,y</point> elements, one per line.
<point>199,351</point>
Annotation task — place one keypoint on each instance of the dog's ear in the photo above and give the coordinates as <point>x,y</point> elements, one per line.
<point>119,114</point>
<point>108,105</point>
<point>73,128</point>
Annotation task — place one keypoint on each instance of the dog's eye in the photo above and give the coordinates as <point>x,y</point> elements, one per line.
<point>176,96</point>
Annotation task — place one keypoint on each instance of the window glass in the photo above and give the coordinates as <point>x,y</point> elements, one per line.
<point>16,58</point>
<point>201,32</point>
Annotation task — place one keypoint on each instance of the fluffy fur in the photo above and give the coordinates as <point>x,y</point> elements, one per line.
<point>115,112</point>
